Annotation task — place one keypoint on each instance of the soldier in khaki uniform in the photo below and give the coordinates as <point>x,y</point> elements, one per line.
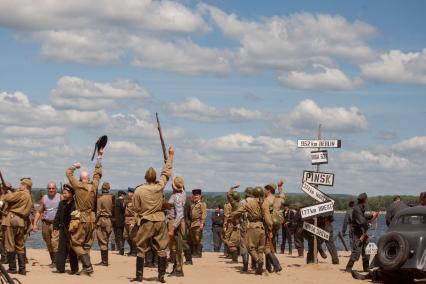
<point>104,214</point>
<point>130,221</point>
<point>227,226</point>
<point>273,219</point>
<point>3,188</point>
<point>198,220</point>
<point>14,224</point>
<point>83,218</point>
<point>148,204</point>
<point>234,238</point>
<point>255,240</point>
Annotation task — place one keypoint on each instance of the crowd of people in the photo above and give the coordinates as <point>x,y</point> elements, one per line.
<point>160,231</point>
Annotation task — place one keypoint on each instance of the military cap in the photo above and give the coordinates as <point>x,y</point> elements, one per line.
<point>271,187</point>
<point>130,189</point>
<point>27,181</point>
<point>151,175</point>
<point>362,196</point>
<point>196,191</point>
<point>249,192</point>
<point>178,183</point>
<point>68,188</point>
<point>121,192</point>
<point>106,186</point>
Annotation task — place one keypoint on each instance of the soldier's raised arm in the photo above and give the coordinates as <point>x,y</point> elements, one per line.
<point>166,173</point>
<point>97,174</point>
<point>281,193</point>
<point>70,175</point>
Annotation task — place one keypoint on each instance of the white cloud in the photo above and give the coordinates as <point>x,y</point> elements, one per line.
<point>125,148</point>
<point>243,114</point>
<point>413,145</point>
<point>397,67</point>
<point>79,94</point>
<point>307,115</point>
<point>20,131</point>
<point>324,79</point>
<point>366,159</point>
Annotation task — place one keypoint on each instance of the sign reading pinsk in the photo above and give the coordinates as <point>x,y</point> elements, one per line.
<point>316,231</point>
<point>319,157</point>
<point>315,193</point>
<point>316,210</point>
<point>319,143</point>
<point>311,177</point>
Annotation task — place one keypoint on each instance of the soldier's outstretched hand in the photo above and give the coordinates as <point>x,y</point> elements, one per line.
<point>280,183</point>
<point>77,165</point>
<point>171,150</point>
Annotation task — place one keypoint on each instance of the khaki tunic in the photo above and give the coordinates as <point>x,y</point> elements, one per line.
<point>148,202</point>
<point>129,220</point>
<point>255,240</point>
<point>85,194</point>
<point>198,218</point>
<point>14,223</point>
<point>104,224</point>
<point>271,207</point>
<point>234,239</point>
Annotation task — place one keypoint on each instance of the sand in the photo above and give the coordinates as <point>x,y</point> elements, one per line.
<point>212,268</point>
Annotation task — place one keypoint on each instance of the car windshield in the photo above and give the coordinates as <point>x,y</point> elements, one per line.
<point>415,219</point>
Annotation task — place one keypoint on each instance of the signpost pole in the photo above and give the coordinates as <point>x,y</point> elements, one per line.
<point>316,219</point>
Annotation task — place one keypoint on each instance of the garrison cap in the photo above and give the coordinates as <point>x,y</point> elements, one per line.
<point>196,191</point>
<point>130,189</point>
<point>151,175</point>
<point>68,188</point>
<point>27,181</point>
<point>106,186</point>
<point>362,196</point>
<point>178,183</point>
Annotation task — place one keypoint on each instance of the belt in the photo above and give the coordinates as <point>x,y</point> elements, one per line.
<point>48,221</point>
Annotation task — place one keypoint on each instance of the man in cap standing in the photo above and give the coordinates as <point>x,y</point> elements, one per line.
<point>104,214</point>
<point>130,221</point>
<point>217,228</point>
<point>19,206</point>
<point>118,221</point>
<point>176,225</point>
<point>347,222</point>
<point>83,222</point>
<point>360,225</point>
<point>198,220</point>
<point>48,207</point>
<point>148,204</point>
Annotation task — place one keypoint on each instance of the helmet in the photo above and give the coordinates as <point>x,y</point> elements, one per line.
<point>236,195</point>
<point>258,191</point>
<point>249,192</point>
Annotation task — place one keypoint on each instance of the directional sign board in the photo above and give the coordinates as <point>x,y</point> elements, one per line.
<point>371,249</point>
<point>315,193</point>
<point>316,231</point>
<point>304,143</point>
<point>319,157</point>
<point>316,210</point>
<point>311,177</point>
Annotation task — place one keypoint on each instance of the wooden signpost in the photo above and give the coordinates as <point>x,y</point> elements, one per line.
<point>310,183</point>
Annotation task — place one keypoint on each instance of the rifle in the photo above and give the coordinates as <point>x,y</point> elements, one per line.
<point>2,180</point>
<point>163,145</point>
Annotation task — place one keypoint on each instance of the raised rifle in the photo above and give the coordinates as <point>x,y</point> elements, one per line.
<point>2,180</point>
<point>163,145</point>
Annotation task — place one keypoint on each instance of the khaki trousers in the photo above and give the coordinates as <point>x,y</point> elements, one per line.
<point>49,236</point>
<point>103,232</point>
<point>155,232</point>
<point>82,239</point>
<point>174,248</point>
<point>14,239</point>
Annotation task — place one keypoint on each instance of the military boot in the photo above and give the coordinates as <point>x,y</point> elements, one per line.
<point>200,250</point>
<point>162,262</point>
<point>3,254</point>
<point>139,269</point>
<point>300,251</point>
<point>259,267</point>
<point>188,257</point>
<point>11,257</point>
<point>365,264</point>
<point>253,264</point>
<point>21,263</point>
<point>234,255</point>
<point>359,276</point>
<point>268,263</point>
<point>52,258</point>
<point>275,263</point>
<point>104,258</point>
<point>349,265</point>
<point>87,265</point>
<point>245,262</point>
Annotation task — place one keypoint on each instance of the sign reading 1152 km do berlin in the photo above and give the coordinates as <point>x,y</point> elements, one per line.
<point>305,143</point>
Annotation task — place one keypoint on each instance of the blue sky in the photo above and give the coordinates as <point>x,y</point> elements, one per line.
<point>236,83</point>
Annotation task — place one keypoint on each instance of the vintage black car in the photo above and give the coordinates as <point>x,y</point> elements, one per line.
<point>401,254</point>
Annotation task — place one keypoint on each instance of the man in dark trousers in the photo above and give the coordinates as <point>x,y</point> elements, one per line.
<point>217,228</point>
<point>298,234</point>
<point>119,221</point>
<point>396,206</point>
<point>327,225</point>
<point>61,223</point>
<point>360,225</point>
<point>347,222</point>
<point>287,229</point>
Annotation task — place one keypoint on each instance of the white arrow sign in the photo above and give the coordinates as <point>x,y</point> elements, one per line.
<point>317,209</point>
<point>311,177</point>
<point>315,193</point>
<point>316,231</point>
<point>304,143</point>
<point>319,157</point>
<point>371,249</point>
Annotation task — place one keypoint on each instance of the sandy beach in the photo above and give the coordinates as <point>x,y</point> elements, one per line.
<point>212,268</point>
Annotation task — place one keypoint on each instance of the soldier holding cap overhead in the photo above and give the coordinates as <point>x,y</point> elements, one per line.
<point>198,220</point>
<point>104,214</point>
<point>19,206</point>
<point>83,220</point>
<point>130,221</point>
<point>148,204</point>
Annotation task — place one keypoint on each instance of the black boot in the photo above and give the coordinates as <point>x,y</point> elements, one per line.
<point>245,262</point>
<point>139,270</point>
<point>259,267</point>
<point>21,262</point>
<point>3,253</point>
<point>349,266</point>
<point>234,255</point>
<point>300,251</point>
<point>275,263</point>
<point>268,263</point>
<point>200,250</point>
<point>11,257</point>
<point>104,258</point>
<point>162,262</point>
<point>52,258</point>
<point>188,257</point>
<point>365,264</point>
<point>359,276</point>
<point>253,264</point>
<point>87,265</point>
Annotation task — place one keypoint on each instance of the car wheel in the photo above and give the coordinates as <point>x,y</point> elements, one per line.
<point>392,251</point>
